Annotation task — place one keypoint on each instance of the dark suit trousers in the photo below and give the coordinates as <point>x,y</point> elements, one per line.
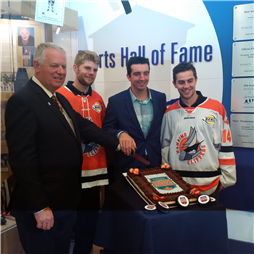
<point>86,220</point>
<point>53,241</point>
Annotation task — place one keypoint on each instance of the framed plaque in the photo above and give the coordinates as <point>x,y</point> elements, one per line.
<point>50,12</point>
<point>242,128</point>
<point>243,25</point>
<point>243,59</point>
<point>242,95</point>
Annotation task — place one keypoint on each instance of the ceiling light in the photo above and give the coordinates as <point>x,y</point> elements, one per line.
<point>58,30</point>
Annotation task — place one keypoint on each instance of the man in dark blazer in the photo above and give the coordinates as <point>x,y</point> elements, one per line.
<point>44,142</point>
<point>135,116</point>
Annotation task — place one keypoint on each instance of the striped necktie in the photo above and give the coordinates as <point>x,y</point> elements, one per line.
<point>57,103</point>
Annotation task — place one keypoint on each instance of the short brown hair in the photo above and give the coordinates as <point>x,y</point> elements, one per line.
<point>182,67</point>
<point>86,55</point>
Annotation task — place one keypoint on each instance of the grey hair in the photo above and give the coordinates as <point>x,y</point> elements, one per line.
<point>39,53</point>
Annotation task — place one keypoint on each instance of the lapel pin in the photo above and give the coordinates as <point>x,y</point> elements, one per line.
<point>49,103</point>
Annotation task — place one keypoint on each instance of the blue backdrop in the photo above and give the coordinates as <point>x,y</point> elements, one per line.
<point>240,196</point>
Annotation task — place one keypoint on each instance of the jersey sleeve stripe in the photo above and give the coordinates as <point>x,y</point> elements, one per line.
<point>207,187</point>
<point>227,161</point>
<point>226,149</point>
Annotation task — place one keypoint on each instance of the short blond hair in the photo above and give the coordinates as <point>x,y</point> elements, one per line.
<point>86,55</point>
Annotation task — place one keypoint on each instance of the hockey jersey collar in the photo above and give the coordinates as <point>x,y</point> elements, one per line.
<point>200,100</point>
<point>76,91</point>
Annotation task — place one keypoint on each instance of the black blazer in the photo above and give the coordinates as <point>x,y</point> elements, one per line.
<point>44,153</point>
<point>121,116</point>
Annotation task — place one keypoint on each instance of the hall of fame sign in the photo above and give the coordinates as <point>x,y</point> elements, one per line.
<point>242,129</point>
<point>242,95</point>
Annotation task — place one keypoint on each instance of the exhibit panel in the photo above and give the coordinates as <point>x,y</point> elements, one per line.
<point>20,35</point>
<point>96,27</point>
<point>229,19</point>
<point>207,32</point>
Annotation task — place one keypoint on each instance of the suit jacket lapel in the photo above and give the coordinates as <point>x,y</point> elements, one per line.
<point>51,106</point>
<point>69,111</point>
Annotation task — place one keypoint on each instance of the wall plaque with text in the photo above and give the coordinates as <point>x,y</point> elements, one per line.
<point>50,12</point>
<point>243,24</point>
<point>243,59</point>
<point>242,95</point>
<point>242,129</point>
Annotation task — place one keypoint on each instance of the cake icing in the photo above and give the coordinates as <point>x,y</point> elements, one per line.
<point>160,184</point>
<point>163,183</point>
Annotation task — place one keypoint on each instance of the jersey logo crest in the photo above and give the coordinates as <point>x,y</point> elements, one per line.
<point>90,149</point>
<point>209,119</point>
<point>189,148</point>
<point>97,107</point>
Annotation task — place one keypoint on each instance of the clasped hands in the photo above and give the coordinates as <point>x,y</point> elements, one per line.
<point>127,143</point>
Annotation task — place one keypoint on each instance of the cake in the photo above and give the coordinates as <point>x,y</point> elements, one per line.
<point>161,184</point>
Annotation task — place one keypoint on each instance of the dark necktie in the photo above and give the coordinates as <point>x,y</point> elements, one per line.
<point>57,103</point>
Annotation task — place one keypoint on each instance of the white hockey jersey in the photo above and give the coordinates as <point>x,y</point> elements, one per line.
<point>196,141</point>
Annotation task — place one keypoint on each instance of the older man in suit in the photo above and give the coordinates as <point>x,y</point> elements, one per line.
<point>44,135</point>
<point>135,116</point>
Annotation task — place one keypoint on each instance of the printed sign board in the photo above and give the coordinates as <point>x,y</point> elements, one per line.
<point>242,128</point>
<point>243,59</point>
<point>50,12</point>
<point>243,26</point>
<point>242,95</point>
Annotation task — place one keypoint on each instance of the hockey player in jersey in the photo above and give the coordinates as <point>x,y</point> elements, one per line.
<point>94,169</point>
<point>196,138</point>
